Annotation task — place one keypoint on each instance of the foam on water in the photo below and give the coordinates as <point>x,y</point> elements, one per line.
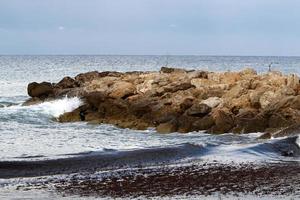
<point>51,108</point>
<point>57,107</point>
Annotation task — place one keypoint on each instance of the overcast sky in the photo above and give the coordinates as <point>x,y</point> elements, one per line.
<point>189,27</point>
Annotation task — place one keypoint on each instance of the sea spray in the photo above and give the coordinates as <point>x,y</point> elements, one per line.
<point>57,107</point>
<point>50,108</point>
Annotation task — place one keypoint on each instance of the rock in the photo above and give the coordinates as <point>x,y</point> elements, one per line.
<point>94,99</point>
<point>171,70</point>
<point>186,104</point>
<point>277,121</point>
<point>224,122</point>
<point>199,110</point>
<point>289,131</point>
<point>265,136</point>
<point>32,101</point>
<point>200,83</point>
<point>204,123</point>
<point>293,81</point>
<point>142,107</point>
<point>70,116</point>
<point>212,102</point>
<point>208,84</point>
<point>197,74</point>
<point>145,86</point>
<point>235,92</point>
<point>174,87</point>
<point>230,78</point>
<point>67,82</point>
<point>248,71</point>
<point>287,91</point>
<point>122,89</point>
<point>267,98</point>
<point>259,123</point>
<point>103,84</point>
<point>255,95</point>
<point>168,127</point>
<point>40,90</point>
<point>86,77</point>
<point>242,102</point>
<point>180,100</point>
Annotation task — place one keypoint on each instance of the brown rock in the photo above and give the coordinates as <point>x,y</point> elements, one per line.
<point>264,136</point>
<point>186,104</point>
<point>197,74</point>
<point>168,127</point>
<point>289,131</point>
<point>177,86</point>
<point>171,70</point>
<point>224,122</point>
<point>86,77</point>
<point>122,89</point>
<point>199,110</point>
<point>41,90</point>
<point>212,101</point>
<point>67,82</point>
<point>259,123</point>
<point>32,101</point>
<point>93,99</point>
<point>204,123</point>
<point>293,81</point>
<point>277,120</point>
<point>70,116</point>
<point>248,71</point>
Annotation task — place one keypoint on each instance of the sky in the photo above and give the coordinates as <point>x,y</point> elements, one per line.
<point>150,27</point>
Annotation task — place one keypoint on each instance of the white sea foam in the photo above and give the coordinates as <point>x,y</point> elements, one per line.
<point>57,107</point>
<point>52,108</point>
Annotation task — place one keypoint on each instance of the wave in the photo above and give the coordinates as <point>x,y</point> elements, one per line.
<point>57,107</point>
<point>40,111</point>
<point>93,161</point>
<point>277,149</point>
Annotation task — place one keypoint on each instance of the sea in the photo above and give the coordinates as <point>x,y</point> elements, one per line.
<point>30,135</point>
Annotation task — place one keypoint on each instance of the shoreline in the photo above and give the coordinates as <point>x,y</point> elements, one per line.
<point>178,100</point>
<point>205,179</point>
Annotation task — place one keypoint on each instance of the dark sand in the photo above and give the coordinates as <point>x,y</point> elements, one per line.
<point>201,179</point>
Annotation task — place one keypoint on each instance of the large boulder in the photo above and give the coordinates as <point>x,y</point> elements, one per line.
<point>94,99</point>
<point>224,122</point>
<point>251,123</point>
<point>67,82</point>
<point>122,89</point>
<point>40,90</point>
<point>204,123</point>
<point>212,101</point>
<point>199,110</point>
<point>167,127</point>
<point>86,77</point>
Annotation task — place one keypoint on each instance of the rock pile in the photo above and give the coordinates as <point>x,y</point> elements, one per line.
<point>178,100</point>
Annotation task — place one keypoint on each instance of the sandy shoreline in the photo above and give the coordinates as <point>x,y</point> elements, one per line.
<point>205,179</point>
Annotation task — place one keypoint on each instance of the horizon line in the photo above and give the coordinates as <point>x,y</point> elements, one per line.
<point>208,55</point>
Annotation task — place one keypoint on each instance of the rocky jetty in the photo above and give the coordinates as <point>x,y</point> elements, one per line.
<point>178,100</point>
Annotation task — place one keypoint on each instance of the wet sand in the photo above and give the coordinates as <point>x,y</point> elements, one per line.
<point>282,179</point>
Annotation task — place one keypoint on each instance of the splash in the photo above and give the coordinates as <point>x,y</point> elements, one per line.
<point>57,107</point>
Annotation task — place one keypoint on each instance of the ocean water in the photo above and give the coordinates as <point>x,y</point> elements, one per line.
<point>30,135</point>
